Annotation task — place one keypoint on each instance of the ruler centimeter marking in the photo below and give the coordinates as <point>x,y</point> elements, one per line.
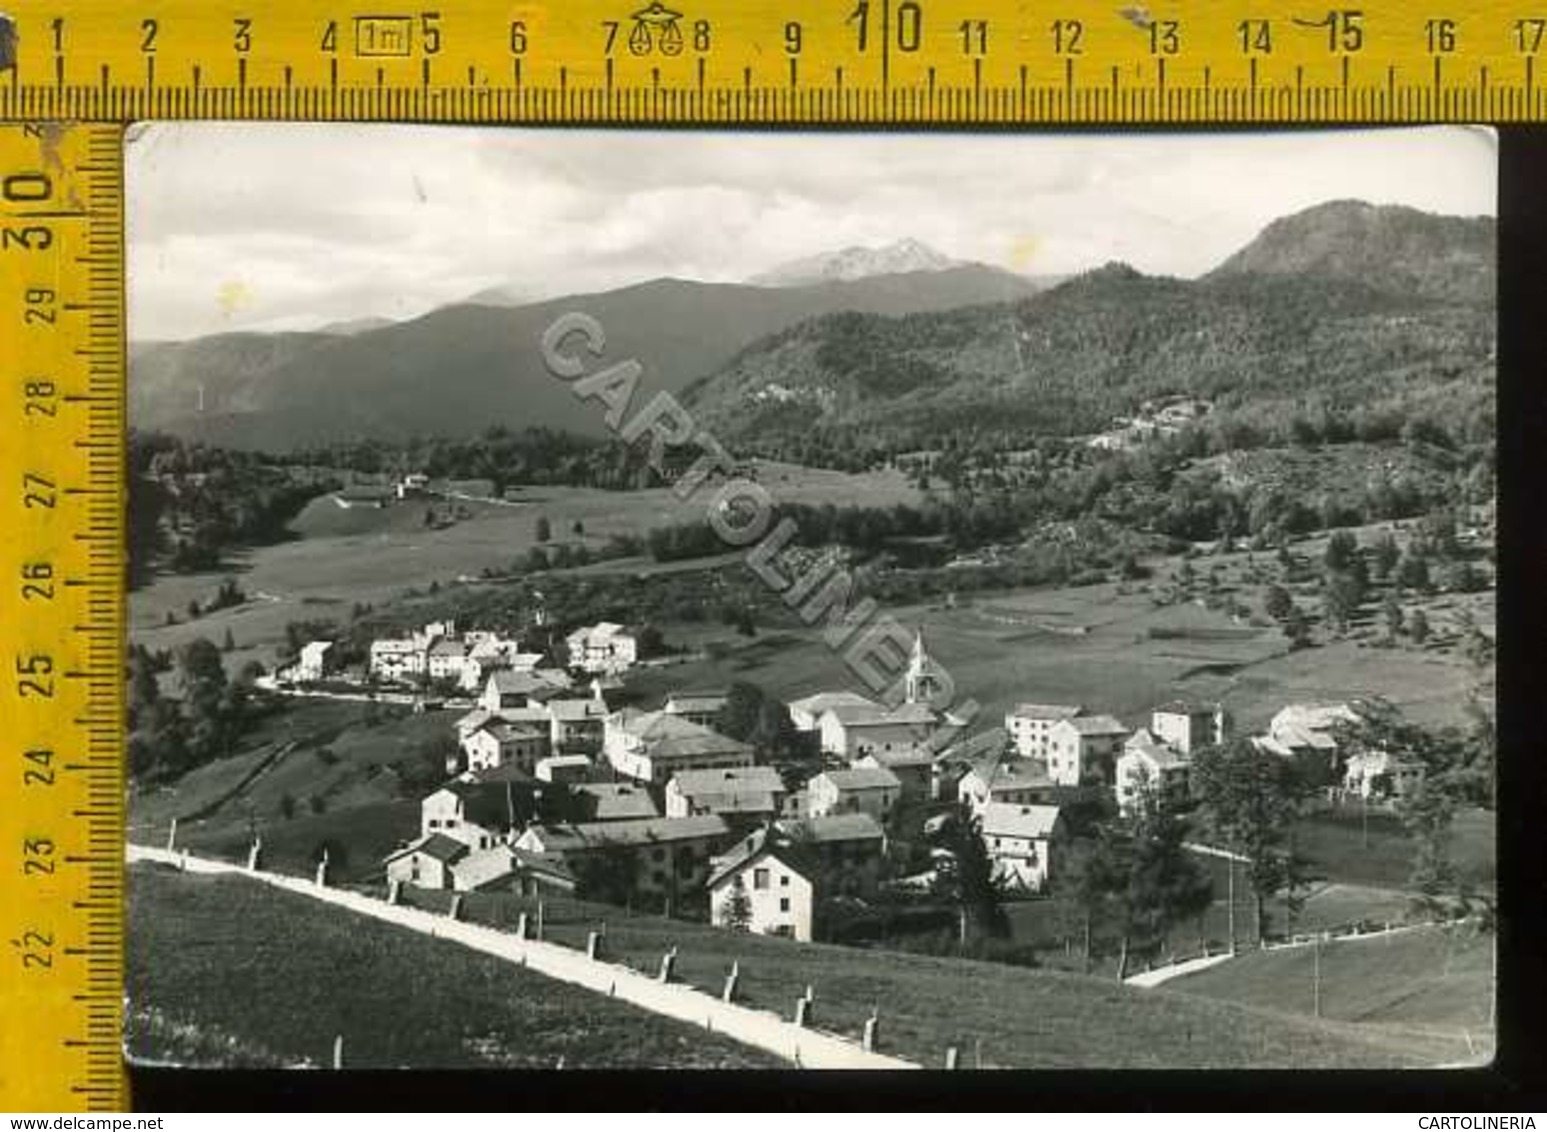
<point>61,617</point>
<point>971,62</point>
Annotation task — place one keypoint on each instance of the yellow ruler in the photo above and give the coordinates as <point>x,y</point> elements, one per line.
<point>100,63</point>
<point>61,616</point>
<point>820,61</point>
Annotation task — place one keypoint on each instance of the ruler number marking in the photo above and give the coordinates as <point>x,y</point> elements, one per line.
<point>39,306</point>
<point>974,35</point>
<point>241,35</point>
<point>1165,37</point>
<point>36,948</point>
<point>1528,34</point>
<point>41,772</point>
<point>39,492</point>
<point>149,29</point>
<point>34,677</point>
<point>1067,37</point>
<point>37,856</point>
<point>37,581</point>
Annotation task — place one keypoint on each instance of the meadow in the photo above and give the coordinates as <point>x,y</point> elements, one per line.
<point>1434,984</point>
<point>225,973</point>
<point>995,1015</point>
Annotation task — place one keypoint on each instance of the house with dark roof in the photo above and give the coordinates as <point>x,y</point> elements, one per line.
<point>653,857</point>
<point>1006,781</point>
<point>426,862</point>
<point>482,812</point>
<point>773,878</point>
<point>501,742</point>
<point>913,768</point>
<point>848,847</point>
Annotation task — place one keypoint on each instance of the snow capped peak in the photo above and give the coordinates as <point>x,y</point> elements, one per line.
<point>857,262</point>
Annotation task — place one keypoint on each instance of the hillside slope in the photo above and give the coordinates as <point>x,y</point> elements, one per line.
<point>461,368</point>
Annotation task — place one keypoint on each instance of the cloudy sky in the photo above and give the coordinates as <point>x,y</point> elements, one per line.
<point>267,226</point>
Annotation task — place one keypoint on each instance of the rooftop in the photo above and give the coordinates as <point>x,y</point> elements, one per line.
<point>1096,725</point>
<point>745,779</point>
<point>1003,819</point>
<point>437,845</point>
<point>615,801</point>
<point>756,845</point>
<point>816,704</point>
<point>861,778</point>
<point>1046,711</point>
<point>834,827</point>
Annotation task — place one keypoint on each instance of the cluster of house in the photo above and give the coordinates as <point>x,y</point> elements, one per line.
<point>438,654</point>
<point>552,787</point>
<point>1154,418</point>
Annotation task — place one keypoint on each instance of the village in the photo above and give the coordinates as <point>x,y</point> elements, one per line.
<point>557,786</point>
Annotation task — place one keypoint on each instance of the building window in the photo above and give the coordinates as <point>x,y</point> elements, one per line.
<point>784,881</point>
<point>759,878</point>
<point>784,903</point>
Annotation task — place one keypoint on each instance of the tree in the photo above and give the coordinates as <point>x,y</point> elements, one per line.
<point>965,876</point>
<point>1341,551</point>
<point>228,642</point>
<point>1418,627</point>
<point>1090,879</point>
<point>1391,611</point>
<point>1249,798</point>
<point>1163,885</point>
<point>1277,603</point>
<point>578,529</point>
<point>1413,570</point>
<point>544,529</point>
<point>736,915</point>
<point>1296,628</point>
<point>1385,556</point>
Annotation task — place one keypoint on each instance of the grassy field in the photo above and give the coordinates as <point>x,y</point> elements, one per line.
<point>327,751</point>
<point>223,972</point>
<point>1008,1016</point>
<point>365,555</point>
<point>1432,984</point>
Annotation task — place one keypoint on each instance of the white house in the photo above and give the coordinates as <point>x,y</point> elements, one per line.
<point>1308,727</point>
<point>499,742</point>
<point>670,856</point>
<point>1149,767</point>
<point>1029,726</point>
<point>851,732</point>
<point>1022,841</point>
<point>563,768</point>
<point>1377,776</point>
<point>806,713</point>
<point>653,746</point>
<point>446,659</point>
<point>751,791</point>
<point>509,688</point>
<point>1004,781</point>
<point>478,813</point>
<point>603,647</point>
<point>313,662</point>
<point>394,658</point>
<point>858,790</point>
<point>1083,749</point>
<point>777,879</point>
<point>1185,727</point>
<point>426,862</point>
<point>702,708</point>
<point>914,768</point>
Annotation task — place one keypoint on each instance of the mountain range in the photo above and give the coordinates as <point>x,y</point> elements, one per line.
<point>897,337</point>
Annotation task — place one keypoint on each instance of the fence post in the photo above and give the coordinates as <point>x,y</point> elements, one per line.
<point>394,892</point>
<point>322,870</point>
<point>455,911</point>
<point>952,1057</point>
<point>521,925</point>
<point>172,836</point>
<point>593,945</point>
<point>872,1024</point>
<point>802,1012</point>
<point>338,1051</point>
<point>254,854</point>
<point>539,919</point>
<point>668,964</point>
<point>729,994</point>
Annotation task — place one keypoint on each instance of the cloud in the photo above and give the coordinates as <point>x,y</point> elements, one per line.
<point>319,223</point>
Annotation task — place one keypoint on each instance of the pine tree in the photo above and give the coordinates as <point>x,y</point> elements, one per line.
<point>736,916</point>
